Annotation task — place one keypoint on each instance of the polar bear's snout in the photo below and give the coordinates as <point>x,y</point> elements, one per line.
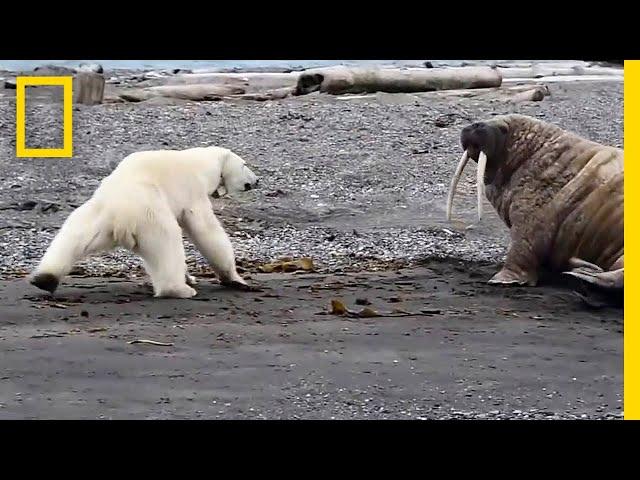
<point>250,185</point>
<point>237,176</point>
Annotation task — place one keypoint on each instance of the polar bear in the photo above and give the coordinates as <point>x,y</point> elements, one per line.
<point>143,206</point>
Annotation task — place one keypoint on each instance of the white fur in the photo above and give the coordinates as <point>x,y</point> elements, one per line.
<point>144,206</point>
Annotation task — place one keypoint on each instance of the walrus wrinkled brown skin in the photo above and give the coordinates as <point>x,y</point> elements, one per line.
<point>560,195</point>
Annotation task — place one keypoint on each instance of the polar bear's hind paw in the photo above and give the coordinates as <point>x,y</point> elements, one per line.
<point>45,281</point>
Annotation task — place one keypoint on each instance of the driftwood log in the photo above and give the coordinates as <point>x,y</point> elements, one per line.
<point>196,92</point>
<point>257,81</point>
<point>277,94</point>
<point>535,94</point>
<point>88,88</point>
<point>542,70</point>
<point>340,80</point>
<point>510,94</point>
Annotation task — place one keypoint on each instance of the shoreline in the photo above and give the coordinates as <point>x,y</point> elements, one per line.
<point>275,65</point>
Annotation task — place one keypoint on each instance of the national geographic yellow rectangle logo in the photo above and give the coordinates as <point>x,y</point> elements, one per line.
<point>631,222</point>
<point>67,127</point>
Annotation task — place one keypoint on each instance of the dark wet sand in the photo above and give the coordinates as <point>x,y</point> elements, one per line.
<point>483,352</point>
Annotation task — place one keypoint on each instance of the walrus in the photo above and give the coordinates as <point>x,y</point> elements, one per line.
<point>560,195</point>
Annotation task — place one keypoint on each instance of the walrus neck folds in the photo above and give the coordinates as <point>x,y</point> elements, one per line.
<point>526,138</point>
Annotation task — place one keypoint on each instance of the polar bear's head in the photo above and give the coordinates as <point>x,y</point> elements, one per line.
<point>236,176</point>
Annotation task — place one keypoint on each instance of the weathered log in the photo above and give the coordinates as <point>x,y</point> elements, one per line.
<point>253,82</point>
<point>192,79</point>
<point>514,94</point>
<point>340,80</point>
<point>88,88</point>
<point>197,92</point>
<point>536,94</point>
<point>546,70</point>
<point>135,94</point>
<point>277,94</point>
<point>166,101</point>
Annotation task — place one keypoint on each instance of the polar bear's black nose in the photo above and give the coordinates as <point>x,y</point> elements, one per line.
<point>247,186</point>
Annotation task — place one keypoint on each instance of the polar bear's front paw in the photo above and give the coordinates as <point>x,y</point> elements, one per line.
<point>184,291</point>
<point>242,286</point>
<point>191,280</point>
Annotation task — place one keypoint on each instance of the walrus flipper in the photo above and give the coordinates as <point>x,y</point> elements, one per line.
<point>612,280</point>
<point>522,262</point>
<point>510,276</point>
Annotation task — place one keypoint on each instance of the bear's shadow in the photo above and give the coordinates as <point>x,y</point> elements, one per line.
<point>126,291</point>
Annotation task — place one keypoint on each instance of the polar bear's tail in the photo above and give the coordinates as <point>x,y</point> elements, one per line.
<point>82,234</point>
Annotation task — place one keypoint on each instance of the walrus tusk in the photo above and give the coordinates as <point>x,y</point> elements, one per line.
<point>482,165</point>
<point>454,182</point>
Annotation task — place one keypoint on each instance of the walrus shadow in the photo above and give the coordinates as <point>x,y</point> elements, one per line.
<point>589,295</point>
<point>582,293</point>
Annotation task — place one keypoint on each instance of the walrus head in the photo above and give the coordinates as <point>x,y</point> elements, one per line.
<point>484,143</point>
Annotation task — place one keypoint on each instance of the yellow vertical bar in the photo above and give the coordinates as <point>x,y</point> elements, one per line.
<point>632,204</point>
<point>67,126</point>
<point>20,117</point>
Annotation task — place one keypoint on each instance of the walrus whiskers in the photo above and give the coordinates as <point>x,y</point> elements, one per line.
<point>454,182</point>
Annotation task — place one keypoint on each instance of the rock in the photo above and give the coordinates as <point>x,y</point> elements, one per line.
<point>10,83</point>
<point>445,120</point>
<point>91,67</point>
<point>28,205</point>
<point>54,70</point>
<point>49,207</point>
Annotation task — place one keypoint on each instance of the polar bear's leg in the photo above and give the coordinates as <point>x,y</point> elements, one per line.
<point>212,241</point>
<point>189,279</point>
<point>161,248</point>
<point>83,233</point>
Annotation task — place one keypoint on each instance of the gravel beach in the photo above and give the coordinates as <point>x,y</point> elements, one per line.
<point>357,184</point>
